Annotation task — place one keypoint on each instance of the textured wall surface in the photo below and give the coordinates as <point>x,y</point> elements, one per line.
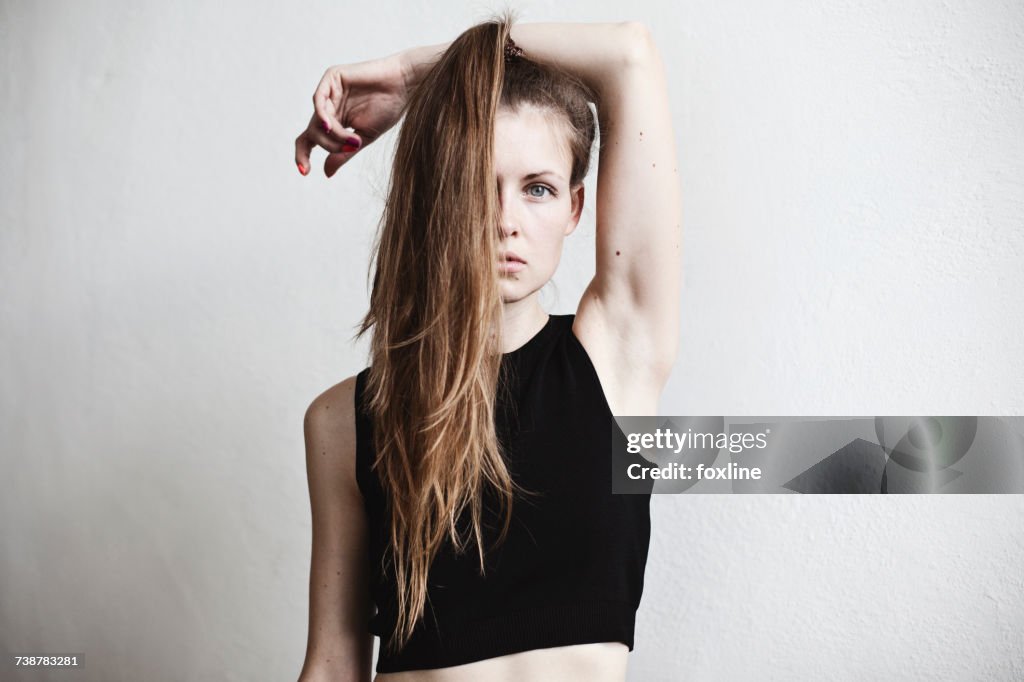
<point>174,294</point>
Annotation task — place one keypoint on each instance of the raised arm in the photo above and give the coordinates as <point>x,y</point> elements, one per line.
<point>633,300</point>
<point>339,648</point>
<point>630,310</point>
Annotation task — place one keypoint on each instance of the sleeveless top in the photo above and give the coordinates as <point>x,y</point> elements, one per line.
<point>571,570</point>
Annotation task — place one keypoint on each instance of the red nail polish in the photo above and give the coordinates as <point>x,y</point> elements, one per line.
<point>327,126</point>
<point>302,169</point>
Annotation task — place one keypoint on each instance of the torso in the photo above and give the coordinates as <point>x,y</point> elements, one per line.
<point>600,662</point>
<point>597,662</point>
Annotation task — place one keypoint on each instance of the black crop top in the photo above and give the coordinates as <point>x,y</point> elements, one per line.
<point>571,570</point>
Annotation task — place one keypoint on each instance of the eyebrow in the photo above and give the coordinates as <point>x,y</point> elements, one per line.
<point>531,176</point>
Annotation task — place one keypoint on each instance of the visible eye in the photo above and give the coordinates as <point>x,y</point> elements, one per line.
<point>545,187</point>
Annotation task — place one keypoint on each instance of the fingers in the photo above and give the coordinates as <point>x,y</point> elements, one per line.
<point>327,95</point>
<point>302,149</point>
<point>336,161</point>
<point>348,150</point>
<point>325,127</point>
<point>339,142</point>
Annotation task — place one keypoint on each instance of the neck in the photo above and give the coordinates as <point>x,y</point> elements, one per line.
<point>520,321</point>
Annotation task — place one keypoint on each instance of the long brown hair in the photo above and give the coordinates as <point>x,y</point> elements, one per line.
<point>436,307</point>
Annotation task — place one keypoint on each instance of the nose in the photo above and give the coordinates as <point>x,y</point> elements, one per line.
<point>507,228</point>
<point>509,222</point>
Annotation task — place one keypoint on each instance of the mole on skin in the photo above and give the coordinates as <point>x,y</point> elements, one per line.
<point>618,253</point>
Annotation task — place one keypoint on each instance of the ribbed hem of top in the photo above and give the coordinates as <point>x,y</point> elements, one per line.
<point>539,627</point>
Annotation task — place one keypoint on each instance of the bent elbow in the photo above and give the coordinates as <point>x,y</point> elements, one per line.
<point>638,43</point>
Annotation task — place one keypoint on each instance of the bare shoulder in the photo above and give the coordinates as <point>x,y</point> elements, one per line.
<point>330,431</point>
<point>628,364</point>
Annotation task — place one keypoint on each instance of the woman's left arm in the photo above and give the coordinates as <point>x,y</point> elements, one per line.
<point>633,300</point>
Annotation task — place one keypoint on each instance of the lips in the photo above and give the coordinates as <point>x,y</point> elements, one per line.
<point>508,256</point>
<point>511,266</point>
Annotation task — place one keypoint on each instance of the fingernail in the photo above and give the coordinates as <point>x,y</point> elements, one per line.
<point>327,126</point>
<point>302,169</point>
<point>353,142</point>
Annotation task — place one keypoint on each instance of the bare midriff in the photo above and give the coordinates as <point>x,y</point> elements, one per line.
<point>599,662</point>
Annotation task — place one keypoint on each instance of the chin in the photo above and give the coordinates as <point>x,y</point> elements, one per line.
<point>513,290</point>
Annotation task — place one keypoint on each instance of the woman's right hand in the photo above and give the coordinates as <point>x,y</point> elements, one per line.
<point>366,97</point>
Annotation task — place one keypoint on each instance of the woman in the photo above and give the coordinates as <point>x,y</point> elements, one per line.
<point>460,486</point>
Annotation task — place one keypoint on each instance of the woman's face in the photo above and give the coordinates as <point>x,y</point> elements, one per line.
<point>538,209</point>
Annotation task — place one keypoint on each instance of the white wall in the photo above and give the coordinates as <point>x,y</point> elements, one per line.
<point>174,294</point>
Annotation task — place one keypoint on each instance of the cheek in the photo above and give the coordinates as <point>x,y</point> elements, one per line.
<point>551,249</point>
<point>555,221</point>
